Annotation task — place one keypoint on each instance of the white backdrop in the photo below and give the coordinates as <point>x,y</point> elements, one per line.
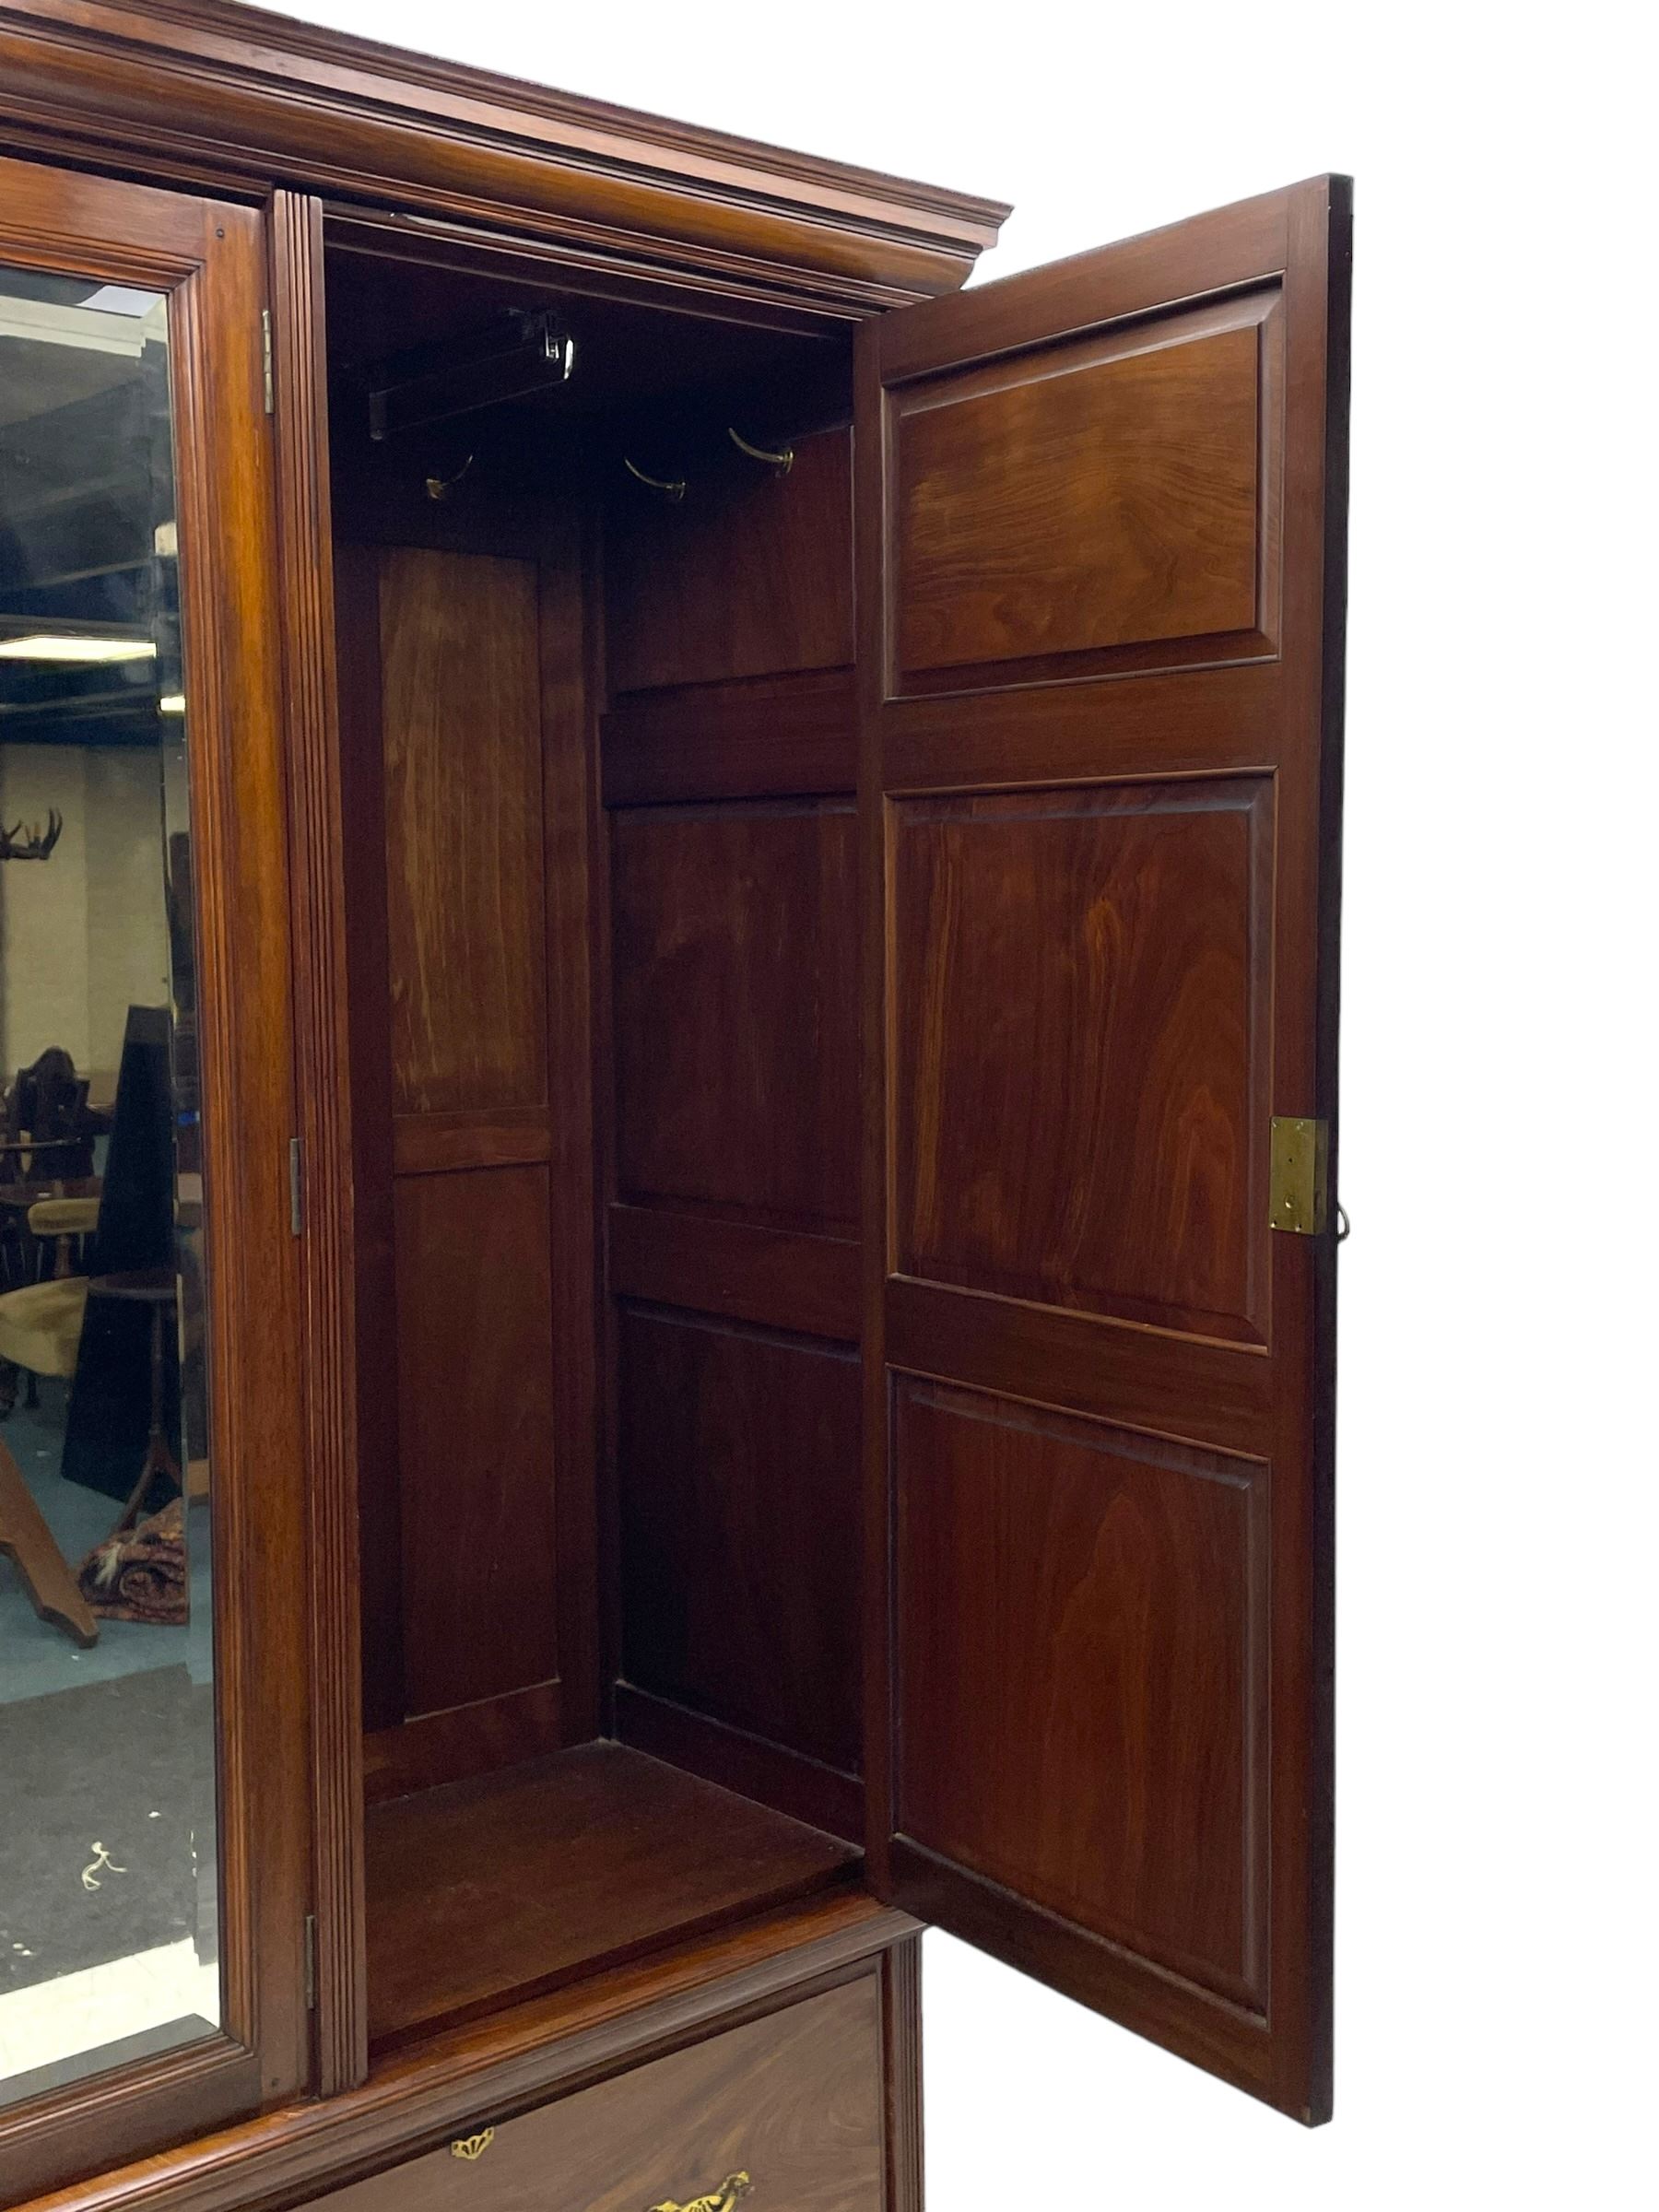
<point>1496,1838</point>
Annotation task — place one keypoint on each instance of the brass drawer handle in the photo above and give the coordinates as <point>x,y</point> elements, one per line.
<point>718,2200</point>
<point>472,2147</point>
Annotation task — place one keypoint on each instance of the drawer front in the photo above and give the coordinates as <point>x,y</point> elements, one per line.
<point>792,2102</point>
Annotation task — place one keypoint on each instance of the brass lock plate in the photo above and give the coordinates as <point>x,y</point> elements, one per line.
<point>1296,1179</point>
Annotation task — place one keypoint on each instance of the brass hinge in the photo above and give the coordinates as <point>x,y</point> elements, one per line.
<point>270,372</point>
<point>310,1963</point>
<point>1297,1180</point>
<point>296,1188</point>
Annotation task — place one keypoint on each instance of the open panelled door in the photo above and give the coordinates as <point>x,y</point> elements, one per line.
<point>1100,528</point>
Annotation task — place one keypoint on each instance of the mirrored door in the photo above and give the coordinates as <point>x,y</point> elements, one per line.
<point>109,1942</point>
<point>152,1873</point>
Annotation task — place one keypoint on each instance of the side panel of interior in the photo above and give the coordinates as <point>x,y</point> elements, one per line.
<point>728,768</point>
<point>470,1084</point>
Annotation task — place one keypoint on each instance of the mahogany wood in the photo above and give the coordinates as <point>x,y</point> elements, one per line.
<point>902,2041</point>
<point>1101,1144</point>
<point>472,736</point>
<point>217,93</point>
<point>1200,721</point>
<point>324,1045</point>
<point>739,1556</point>
<point>571,689</point>
<point>1100,514</point>
<point>376,236</point>
<point>438,2086</point>
<point>1119,502</point>
<point>734,951</point>
<point>794,2101</point>
<point>1072,1569</point>
<point>483,1136</point>
<point>429,1748</point>
<point>209,256</point>
<point>371,1159</point>
<point>461,704</point>
<point>1153,1379</point>
<point>789,1780</point>
<point>672,617</point>
<point>641,351</point>
<point>736,1268</point>
<point>475,1435</point>
<point>767,737</point>
<point>1228,249</point>
<point>1100,969</point>
<point>519,1881</point>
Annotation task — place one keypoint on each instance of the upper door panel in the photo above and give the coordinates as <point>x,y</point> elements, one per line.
<point>1108,506</point>
<point>1100,515</point>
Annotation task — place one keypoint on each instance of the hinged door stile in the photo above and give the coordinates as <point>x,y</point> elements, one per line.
<point>321,1183</point>
<point>1100,511</point>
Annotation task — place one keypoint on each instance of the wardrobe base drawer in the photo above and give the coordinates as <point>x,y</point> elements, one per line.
<point>784,2114</point>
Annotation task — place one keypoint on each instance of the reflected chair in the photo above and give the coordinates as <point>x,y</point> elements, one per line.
<point>41,1324</point>
<point>46,1136</point>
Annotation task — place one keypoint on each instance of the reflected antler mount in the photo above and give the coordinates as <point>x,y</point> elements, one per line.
<point>39,843</point>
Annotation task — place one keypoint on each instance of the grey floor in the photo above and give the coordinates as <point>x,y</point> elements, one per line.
<point>111,1745</point>
<point>36,1659</point>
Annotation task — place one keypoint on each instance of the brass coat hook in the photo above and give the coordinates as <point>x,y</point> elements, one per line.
<point>439,487</point>
<point>671,487</point>
<point>783,460</point>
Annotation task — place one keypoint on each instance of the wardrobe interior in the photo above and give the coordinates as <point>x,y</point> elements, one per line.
<point>594,579</point>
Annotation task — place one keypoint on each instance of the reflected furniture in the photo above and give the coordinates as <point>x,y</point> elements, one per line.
<point>40,1326</point>
<point>33,1550</point>
<point>156,1291</point>
<point>764,856</point>
<point>108,1435</point>
<point>46,1119</point>
<point>40,1317</point>
<point>61,1221</point>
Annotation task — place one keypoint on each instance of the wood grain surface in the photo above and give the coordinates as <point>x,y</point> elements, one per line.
<point>794,2101</point>
<point>522,1880</point>
<point>461,691</point>
<point>1080,1047</point>
<point>1111,503</point>
<point>475,1437</point>
<point>740,1569</point>
<point>1100,518</point>
<point>672,615</point>
<point>735,955</point>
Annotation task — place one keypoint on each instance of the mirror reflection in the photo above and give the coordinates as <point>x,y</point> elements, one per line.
<point>107,1851</point>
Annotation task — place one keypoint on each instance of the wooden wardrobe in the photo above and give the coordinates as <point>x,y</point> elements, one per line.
<point>767,869</point>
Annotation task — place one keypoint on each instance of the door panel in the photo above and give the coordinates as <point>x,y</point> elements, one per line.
<point>1109,495</point>
<point>1080,1596</point>
<point>1099,522</point>
<point>1046,943</point>
<point>148,973</point>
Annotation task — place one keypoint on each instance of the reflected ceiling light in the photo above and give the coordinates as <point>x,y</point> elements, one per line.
<point>54,647</point>
<point>121,299</point>
<point>173,703</point>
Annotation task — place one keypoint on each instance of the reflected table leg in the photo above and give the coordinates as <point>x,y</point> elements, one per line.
<point>25,1537</point>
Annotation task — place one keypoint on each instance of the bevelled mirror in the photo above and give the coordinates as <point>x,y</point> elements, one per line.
<point>109,1942</point>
